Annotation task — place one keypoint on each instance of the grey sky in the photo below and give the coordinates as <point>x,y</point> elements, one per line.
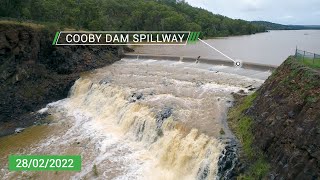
<point>279,11</point>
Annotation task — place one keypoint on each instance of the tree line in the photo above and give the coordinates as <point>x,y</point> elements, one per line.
<point>127,15</point>
<point>275,26</point>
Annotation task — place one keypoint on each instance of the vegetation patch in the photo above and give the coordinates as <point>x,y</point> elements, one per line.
<point>241,124</point>
<point>313,63</point>
<point>95,170</point>
<point>156,15</point>
<point>22,23</point>
<point>299,79</point>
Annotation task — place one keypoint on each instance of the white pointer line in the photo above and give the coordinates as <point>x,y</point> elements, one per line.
<point>217,50</point>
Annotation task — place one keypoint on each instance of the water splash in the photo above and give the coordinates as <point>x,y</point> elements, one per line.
<point>150,120</point>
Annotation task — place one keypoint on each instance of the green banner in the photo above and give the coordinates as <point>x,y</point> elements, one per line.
<point>55,38</point>
<point>44,163</point>
<point>193,37</point>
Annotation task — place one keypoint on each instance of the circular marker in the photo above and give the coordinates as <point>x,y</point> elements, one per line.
<point>238,64</point>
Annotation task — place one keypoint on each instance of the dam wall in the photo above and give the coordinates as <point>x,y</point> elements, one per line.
<point>245,65</point>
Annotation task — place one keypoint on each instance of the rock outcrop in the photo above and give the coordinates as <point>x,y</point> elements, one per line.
<point>34,73</point>
<point>286,121</point>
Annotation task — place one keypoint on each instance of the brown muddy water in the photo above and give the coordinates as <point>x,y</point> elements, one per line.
<point>138,119</point>
<point>270,48</point>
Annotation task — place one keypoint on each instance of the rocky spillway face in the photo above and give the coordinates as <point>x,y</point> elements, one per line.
<point>146,119</point>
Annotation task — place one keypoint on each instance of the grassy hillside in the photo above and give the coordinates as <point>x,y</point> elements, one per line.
<point>126,15</point>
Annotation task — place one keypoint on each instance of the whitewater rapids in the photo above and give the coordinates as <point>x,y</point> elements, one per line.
<point>144,119</point>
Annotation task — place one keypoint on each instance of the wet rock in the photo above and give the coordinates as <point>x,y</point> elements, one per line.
<point>228,161</point>
<point>250,87</point>
<point>19,130</point>
<point>271,176</point>
<point>203,172</point>
<point>40,116</point>
<point>139,96</point>
<point>135,97</point>
<point>241,91</point>
<point>162,115</point>
<point>105,81</point>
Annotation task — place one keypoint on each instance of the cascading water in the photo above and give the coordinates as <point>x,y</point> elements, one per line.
<point>144,120</point>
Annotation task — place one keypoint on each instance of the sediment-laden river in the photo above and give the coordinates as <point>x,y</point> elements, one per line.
<point>139,119</point>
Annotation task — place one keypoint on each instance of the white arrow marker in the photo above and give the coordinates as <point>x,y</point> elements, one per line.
<point>236,63</point>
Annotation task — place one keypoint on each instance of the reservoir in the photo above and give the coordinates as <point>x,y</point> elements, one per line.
<point>265,48</point>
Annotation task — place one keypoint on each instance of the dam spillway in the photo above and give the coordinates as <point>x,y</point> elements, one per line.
<point>145,119</point>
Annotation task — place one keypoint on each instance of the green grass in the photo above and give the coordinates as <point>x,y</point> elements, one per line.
<point>242,126</point>
<point>22,23</point>
<point>40,26</point>
<point>95,170</point>
<point>314,63</point>
<point>243,130</point>
<point>257,170</point>
<point>245,104</point>
<point>301,81</point>
<point>312,99</point>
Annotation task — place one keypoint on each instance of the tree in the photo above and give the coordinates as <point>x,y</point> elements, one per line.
<point>127,15</point>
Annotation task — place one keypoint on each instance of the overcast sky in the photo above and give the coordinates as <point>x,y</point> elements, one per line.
<point>302,12</point>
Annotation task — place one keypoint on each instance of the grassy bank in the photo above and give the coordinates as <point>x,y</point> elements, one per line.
<point>241,124</point>
<point>266,124</point>
<point>21,23</point>
<point>308,77</point>
<point>310,62</point>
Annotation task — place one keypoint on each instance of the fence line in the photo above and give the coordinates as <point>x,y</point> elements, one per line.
<point>307,57</point>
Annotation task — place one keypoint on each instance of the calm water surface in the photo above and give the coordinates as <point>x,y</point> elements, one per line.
<point>266,48</point>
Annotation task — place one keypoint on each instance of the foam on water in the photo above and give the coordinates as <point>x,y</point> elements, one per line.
<point>114,119</point>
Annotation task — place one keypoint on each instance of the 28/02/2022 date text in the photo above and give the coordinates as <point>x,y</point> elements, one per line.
<point>44,163</point>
